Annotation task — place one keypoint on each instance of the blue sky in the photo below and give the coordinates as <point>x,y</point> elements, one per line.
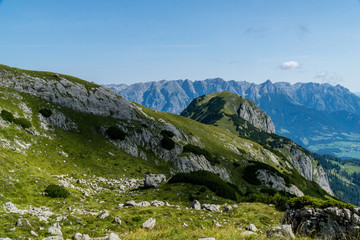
<point>128,41</point>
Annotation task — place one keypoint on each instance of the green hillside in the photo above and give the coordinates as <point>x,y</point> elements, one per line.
<point>43,141</point>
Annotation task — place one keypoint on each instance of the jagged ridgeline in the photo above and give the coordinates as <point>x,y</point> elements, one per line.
<point>60,130</point>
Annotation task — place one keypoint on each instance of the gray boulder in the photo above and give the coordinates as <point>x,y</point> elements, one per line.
<point>144,204</point>
<point>153,180</point>
<point>196,205</point>
<point>117,220</point>
<point>113,236</point>
<point>131,203</point>
<point>211,207</point>
<point>79,236</point>
<point>55,230</point>
<point>228,209</point>
<point>103,215</point>
<point>157,203</point>
<point>280,232</point>
<point>10,207</point>
<point>251,227</point>
<point>33,233</point>
<point>22,222</point>
<point>149,224</point>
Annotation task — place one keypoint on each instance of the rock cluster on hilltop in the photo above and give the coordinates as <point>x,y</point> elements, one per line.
<point>330,223</point>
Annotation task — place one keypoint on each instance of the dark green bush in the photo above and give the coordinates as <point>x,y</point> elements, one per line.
<point>24,123</point>
<point>167,143</point>
<point>167,133</point>
<point>56,191</point>
<point>7,116</point>
<point>45,112</point>
<point>136,219</point>
<point>200,151</point>
<point>209,180</point>
<point>202,189</point>
<point>115,133</point>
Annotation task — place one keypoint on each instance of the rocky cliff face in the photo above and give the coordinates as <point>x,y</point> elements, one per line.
<point>257,118</point>
<point>57,89</point>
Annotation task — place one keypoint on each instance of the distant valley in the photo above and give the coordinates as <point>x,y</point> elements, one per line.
<point>320,117</point>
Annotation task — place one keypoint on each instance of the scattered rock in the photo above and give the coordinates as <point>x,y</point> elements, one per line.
<point>149,224</point>
<point>54,238</point>
<point>251,227</point>
<point>79,236</point>
<point>113,236</point>
<point>55,230</point>
<point>22,222</point>
<point>228,209</point>
<point>103,215</point>
<point>153,180</point>
<point>10,207</point>
<point>280,232</point>
<point>185,225</point>
<point>144,204</point>
<point>131,203</point>
<point>157,203</point>
<point>216,223</point>
<point>196,205</point>
<point>211,207</point>
<point>118,220</point>
<point>33,233</point>
<point>208,238</point>
<point>121,205</point>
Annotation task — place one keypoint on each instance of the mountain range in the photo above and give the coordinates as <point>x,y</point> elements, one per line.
<point>321,117</point>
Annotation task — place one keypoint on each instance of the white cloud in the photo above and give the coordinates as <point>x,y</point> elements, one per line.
<point>289,65</point>
<point>328,77</point>
<point>321,75</point>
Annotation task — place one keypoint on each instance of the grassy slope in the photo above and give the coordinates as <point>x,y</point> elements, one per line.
<point>26,172</point>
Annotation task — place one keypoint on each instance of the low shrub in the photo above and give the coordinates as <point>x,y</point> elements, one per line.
<point>209,180</point>
<point>7,116</point>
<point>115,133</point>
<point>167,143</point>
<point>136,219</point>
<point>24,123</point>
<point>200,151</point>
<point>45,112</point>
<point>56,191</point>
<point>167,133</point>
<point>307,201</point>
